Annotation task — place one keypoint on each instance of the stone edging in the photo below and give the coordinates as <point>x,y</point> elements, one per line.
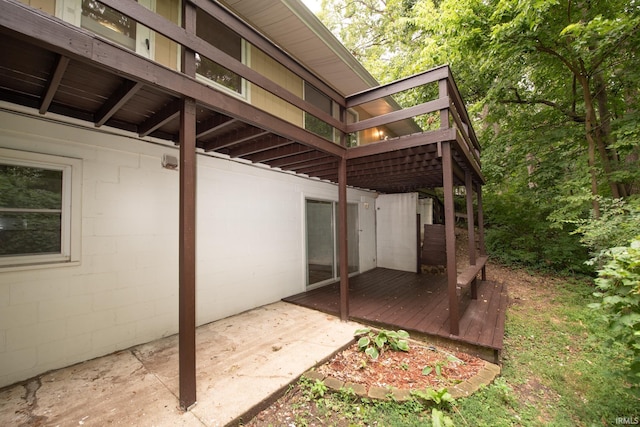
<point>484,377</point>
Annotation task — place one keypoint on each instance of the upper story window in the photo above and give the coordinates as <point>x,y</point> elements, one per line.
<point>218,35</point>
<point>39,208</point>
<point>323,102</point>
<point>113,25</point>
<point>109,23</point>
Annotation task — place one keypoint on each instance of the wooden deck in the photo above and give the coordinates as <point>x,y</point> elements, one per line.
<point>416,303</point>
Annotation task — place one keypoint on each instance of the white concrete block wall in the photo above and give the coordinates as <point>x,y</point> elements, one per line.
<point>124,291</point>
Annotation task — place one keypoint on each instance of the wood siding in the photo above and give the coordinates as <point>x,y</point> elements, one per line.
<point>276,72</point>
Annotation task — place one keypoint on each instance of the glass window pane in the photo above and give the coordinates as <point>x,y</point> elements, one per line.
<point>30,233</point>
<point>109,23</point>
<point>212,31</point>
<point>23,187</point>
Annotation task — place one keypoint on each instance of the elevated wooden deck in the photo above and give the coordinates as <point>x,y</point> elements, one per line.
<point>416,303</point>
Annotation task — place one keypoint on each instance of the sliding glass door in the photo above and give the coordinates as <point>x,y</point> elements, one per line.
<point>322,242</point>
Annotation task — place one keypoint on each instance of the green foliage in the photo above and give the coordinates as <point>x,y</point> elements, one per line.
<point>441,398</point>
<point>374,344</point>
<point>518,233</point>
<point>618,224</point>
<point>618,283</point>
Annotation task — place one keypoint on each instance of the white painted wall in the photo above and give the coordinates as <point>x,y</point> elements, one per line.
<point>250,247</point>
<point>397,231</point>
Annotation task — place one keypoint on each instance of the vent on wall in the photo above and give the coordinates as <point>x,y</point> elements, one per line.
<point>169,161</point>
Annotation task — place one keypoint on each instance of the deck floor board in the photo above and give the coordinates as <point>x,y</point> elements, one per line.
<point>415,302</point>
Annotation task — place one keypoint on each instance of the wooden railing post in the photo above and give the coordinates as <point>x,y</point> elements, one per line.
<point>450,237</point>
<point>468,184</point>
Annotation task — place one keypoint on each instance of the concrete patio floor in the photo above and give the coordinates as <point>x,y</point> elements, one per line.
<point>242,361</point>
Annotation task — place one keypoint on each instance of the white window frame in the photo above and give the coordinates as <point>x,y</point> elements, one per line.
<point>71,222</point>
<point>243,94</point>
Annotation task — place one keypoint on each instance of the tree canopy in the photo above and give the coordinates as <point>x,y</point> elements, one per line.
<point>553,86</point>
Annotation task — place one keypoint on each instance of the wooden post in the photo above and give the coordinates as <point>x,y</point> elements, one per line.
<point>187,236</point>
<point>482,248</point>
<point>187,257</point>
<point>468,184</point>
<point>418,246</point>
<point>343,239</point>
<point>450,237</point>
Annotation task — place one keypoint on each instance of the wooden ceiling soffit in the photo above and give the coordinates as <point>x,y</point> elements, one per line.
<point>54,82</point>
<point>410,141</point>
<point>217,123</point>
<point>116,101</point>
<point>319,160</point>
<point>263,144</point>
<point>299,159</point>
<point>268,156</point>
<point>48,32</point>
<point>406,155</point>
<point>249,133</point>
<point>394,165</point>
<point>327,168</point>
<point>168,113</point>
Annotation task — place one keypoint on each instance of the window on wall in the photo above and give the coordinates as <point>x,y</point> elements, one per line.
<point>39,208</point>
<point>121,29</point>
<point>323,102</point>
<point>218,35</point>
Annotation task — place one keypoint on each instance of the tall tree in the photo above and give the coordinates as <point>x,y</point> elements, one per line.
<point>554,83</point>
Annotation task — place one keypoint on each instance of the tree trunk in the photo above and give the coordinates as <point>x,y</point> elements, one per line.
<point>590,121</point>
<point>604,137</point>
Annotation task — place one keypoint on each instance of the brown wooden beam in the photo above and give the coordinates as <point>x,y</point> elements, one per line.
<point>301,157</point>
<point>168,113</point>
<point>482,248</point>
<point>54,83</point>
<point>395,116</point>
<point>343,240</point>
<point>263,144</point>
<point>187,255</point>
<point>214,124</point>
<point>468,185</point>
<point>280,153</point>
<point>450,237</point>
<point>117,100</point>
<point>238,137</point>
<point>410,82</point>
<point>410,141</point>
<point>26,23</point>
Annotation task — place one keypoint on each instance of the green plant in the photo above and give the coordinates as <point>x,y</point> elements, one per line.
<point>374,344</point>
<point>312,389</point>
<point>439,419</point>
<point>438,367</point>
<point>441,398</point>
<point>619,287</point>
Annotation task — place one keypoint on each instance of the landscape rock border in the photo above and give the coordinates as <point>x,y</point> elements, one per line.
<point>484,377</point>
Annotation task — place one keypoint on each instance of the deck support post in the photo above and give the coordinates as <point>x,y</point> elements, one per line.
<point>187,255</point>
<point>450,238</point>
<point>482,248</point>
<point>343,239</point>
<point>468,183</point>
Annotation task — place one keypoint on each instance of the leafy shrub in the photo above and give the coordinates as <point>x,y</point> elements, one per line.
<point>619,287</point>
<point>618,224</point>
<point>518,233</point>
<point>375,344</point>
